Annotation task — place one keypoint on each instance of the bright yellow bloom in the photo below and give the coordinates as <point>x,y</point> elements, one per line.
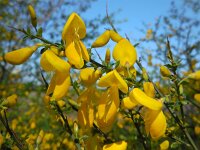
<point>125,52</point>
<point>107,109</point>
<point>10,101</point>
<point>61,103</point>
<point>19,56</point>
<point>115,36</point>
<point>73,31</point>
<point>74,28</point>
<point>149,89</point>
<point>113,79</point>
<point>51,62</point>
<point>197,97</point>
<point>127,103</point>
<point>139,96</point>
<point>102,39</point>
<point>59,85</point>
<point>164,145</point>
<point>89,76</point>
<point>155,123</point>
<point>122,145</point>
<point>165,71</point>
<point>195,75</point>
<point>32,15</point>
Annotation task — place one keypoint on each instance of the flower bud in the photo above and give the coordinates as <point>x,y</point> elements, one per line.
<point>32,15</point>
<point>149,89</point>
<point>164,145</point>
<point>102,39</point>
<point>197,97</point>
<point>107,57</point>
<point>165,71</point>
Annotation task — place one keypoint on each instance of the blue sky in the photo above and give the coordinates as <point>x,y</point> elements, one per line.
<point>135,12</point>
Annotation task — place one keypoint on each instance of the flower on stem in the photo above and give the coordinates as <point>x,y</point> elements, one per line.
<point>19,56</point>
<point>73,31</point>
<point>164,145</point>
<point>122,145</point>
<point>32,15</point>
<point>155,123</point>
<point>89,76</point>
<point>125,52</point>
<point>165,71</point>
<point>139,96</point>
<point>113,79</point>
<point>60,81</point>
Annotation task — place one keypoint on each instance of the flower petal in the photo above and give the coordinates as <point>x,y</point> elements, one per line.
<point>74,26</point>
<point>139,96</point>
<point>73,54</point>
<point>115,36</point>
<point>149,89</point>
<point>127,103</point>
<point>84,51</point>
<point>102,39</point>
<point>122,145</point>
<point>125,53</point>
<point>62,85</point>
<point>19,56</point>
<point>50,62</point>
<point>155,123</point>
<point>89,76</point>
<point>113,79</point>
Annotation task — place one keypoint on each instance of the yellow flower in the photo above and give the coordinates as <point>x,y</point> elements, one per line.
<point>19,56</point>
<point>127,103</point>
<point>51,62</point>
<point>61,103</point>
<point>40,137</point>
<point>107,109</point>
<point>125,52</point>
<point>89,76</point>
<point>138,95</point>
<point>164,145</point>
<point>122,145</point>
<point>149,89</point>
<point>155,123</point>
<point>73,31</point>
<point>165,71</point>
<point>59,85</point>
<point>195,75</point>
<point>113,79</point>
<point>102,39</point>
<point>32,15</point>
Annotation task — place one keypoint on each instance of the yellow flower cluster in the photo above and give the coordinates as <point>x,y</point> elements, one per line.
<point>96,106</point>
